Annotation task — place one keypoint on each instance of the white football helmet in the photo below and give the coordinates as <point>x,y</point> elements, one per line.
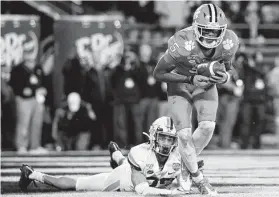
<point>162,136</point>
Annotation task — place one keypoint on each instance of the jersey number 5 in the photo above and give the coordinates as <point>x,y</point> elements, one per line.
<point>174,47</point>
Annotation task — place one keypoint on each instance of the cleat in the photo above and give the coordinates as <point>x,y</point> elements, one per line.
<point>112,148</point>
<point>24,180</point>
<point>188,181</point>
<point>205,188</point>
<point>200,166</point>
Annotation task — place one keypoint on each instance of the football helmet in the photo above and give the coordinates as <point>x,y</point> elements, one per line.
<point>162,136</point>
<point>209,24</point>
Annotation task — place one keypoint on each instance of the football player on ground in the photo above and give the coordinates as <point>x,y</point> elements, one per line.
<point>151,168</point>
<point>207,40</point>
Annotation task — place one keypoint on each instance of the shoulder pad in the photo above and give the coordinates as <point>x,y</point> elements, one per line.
<point>136,157</point>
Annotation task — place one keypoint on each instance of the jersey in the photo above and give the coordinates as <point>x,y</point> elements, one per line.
<point>143,159</point>
<point>186,51</point>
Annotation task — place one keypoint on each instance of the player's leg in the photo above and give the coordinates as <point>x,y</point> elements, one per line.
<point>206,104</point>
<point>87,183</point>
<point>180,111</point>
<point>91,183</point>
<point>119,179</point>
<point>116,156</point>
<point>28,174</point>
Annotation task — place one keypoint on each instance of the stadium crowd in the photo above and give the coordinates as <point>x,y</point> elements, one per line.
<point>119,104</point>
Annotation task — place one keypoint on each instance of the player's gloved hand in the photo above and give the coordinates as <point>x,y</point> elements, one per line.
<point>220,77</point>
<point>201,81</point>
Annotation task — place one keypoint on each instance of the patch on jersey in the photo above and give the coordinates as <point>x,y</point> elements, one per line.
<point>176,166</point>
<point>149,166</point>
<point>227,44</point>
<point>189,45</point>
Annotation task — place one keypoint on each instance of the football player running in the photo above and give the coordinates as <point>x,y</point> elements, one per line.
<point>207,40</point>
<point>151,168</point>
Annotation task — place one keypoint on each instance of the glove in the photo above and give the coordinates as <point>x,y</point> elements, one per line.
<point>220,78</point>
<point>201,81</point>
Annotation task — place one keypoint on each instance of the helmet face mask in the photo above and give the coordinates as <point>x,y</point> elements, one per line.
<point>164,143</point>
<point>162,136</point>
<point>209,25</point>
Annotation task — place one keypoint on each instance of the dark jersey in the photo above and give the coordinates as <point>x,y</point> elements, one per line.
<point>186,52</point>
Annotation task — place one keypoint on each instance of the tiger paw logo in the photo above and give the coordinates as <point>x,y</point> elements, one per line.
<point>189,45</point>
<point>227,44</point>
<point>196,14</point>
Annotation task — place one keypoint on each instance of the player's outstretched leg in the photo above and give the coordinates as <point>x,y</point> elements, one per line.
<point>28,174</point>
<point>116,156</point>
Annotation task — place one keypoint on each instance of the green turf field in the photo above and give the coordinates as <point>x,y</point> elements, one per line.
<point>233,173</point>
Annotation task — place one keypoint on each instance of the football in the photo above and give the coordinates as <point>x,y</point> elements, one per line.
<point>209,69</point>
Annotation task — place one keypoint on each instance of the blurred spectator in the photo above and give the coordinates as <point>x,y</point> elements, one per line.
<point>72,123</point>
<point>252,18</point>
<point>127,115</point>
<point>172,13</point>
<point>253,105</point>
<point>150,88</point>
<point>229,100</point>
<point>8,112</point>
<point>270,15</point>
<point>146,36</point>
<point>74,72</point>
<point>235,12</point>
<point>27,84</point>
<point>142,11</point>
<point>163,97</point>
<point>273,83</point>
<point>97,91</point>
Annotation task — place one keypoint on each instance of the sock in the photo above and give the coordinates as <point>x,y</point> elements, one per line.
<point>197,178</point>
<point>187,149</point>
<point>118,157</point>
<point>38,176</point>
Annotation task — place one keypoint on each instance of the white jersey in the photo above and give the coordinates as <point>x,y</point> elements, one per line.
<point>143,159</point>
